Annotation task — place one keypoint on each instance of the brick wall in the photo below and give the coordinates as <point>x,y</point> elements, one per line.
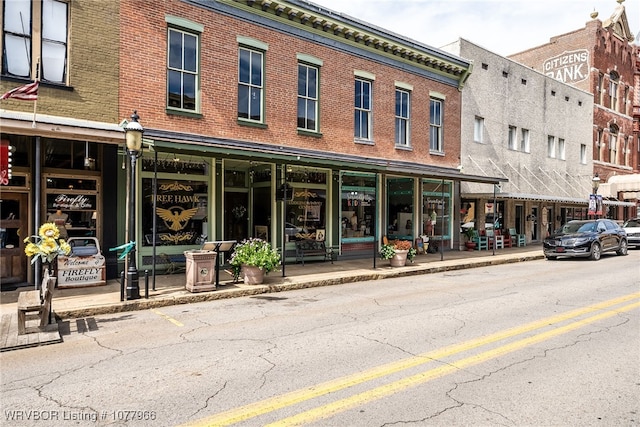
<point>147,68</point>
<point>93,68</point>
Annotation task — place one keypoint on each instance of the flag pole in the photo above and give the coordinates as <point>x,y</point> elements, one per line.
<point>35,103</point>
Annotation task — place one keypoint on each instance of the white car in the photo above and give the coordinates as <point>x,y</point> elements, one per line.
<point>632,227</point>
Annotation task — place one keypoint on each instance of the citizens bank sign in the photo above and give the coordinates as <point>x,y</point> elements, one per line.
<point>568,67</point>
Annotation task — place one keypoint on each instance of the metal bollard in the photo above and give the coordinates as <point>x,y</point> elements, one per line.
<point>146,284</point>
<point>122,285</point>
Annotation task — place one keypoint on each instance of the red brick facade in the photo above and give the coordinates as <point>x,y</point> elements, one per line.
<point>144,65</point>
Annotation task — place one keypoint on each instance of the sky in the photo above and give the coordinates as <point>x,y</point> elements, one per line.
<point>502,26</point>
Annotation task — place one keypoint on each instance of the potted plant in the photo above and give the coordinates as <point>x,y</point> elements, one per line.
<point>47,245</point>
<point>469,243</point>
<point>254,258</point>
<point>397,252</point>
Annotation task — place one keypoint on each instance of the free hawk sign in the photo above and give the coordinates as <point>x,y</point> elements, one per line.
<point>568,67</point>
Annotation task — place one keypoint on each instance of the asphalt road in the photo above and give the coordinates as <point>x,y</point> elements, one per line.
<point>535,343</point>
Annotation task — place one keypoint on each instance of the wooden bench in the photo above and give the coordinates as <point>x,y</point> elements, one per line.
<point>307,248</point>
<point>36,305</point>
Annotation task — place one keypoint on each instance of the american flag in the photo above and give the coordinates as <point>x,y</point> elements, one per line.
<point>25,93</point>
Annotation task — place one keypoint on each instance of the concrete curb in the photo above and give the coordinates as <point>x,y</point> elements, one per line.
<point>300,282</point>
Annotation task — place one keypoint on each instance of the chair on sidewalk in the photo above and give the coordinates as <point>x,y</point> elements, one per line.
<point>508,241</point>
<point>519,239</point>
<point>480,241</point>
<point>495,240</point>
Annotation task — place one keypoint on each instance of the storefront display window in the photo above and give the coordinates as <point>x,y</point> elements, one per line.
<point>67,154</point>
<point>436,208</point>
<point>180,212</point>
<point>358,209</point>
<point>306,211</point>
<point>400,208</point>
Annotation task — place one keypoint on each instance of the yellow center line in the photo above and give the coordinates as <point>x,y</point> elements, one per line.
<point>330,409</point>
<point>255,409</point>
<point>166,317</point>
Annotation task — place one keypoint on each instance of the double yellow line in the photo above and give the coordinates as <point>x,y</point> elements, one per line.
<point>256,409</point>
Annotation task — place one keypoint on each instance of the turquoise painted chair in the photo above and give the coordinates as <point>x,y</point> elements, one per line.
<point>519,239</point>
<point>481,241</point>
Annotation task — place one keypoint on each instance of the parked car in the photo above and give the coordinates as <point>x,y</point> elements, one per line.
<point>632,227</point>
<point>588,238</point>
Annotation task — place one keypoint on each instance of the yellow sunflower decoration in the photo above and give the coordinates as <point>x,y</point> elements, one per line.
<point>47,245</point>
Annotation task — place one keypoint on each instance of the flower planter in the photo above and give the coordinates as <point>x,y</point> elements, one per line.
<point>399,259</point>
<point>252,275</point>
<point>470,245</point>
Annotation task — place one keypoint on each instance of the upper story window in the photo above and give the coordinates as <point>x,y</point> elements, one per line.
<point>478,130</point>
<point>363,109</point>
<point>561,149</point>
<point>512,138</point>
<point>436,125</point>
<point>308,97</point>
<point>583,154</point>
<point>524,140</point>
<point>403,98</point>
<point>614,79</point>
<point>600,92</point>
<point>551,146</point>
<point>251,84</point>
<point>182,70</point>
<point>613,144</point>
<point>35,34</point>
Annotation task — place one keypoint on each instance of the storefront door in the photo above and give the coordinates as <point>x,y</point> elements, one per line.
<point>13,230</point>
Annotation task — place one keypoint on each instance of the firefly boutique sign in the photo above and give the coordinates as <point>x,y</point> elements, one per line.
<point>568,67</point>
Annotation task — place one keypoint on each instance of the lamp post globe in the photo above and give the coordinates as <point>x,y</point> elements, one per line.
<point>133,137</point>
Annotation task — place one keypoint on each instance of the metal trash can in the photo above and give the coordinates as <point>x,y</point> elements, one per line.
<point>200,270</point>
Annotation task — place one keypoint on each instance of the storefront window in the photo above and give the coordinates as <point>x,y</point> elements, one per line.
<point>180,214</point>
<point>67,154</point>
<point>436,208</point>
<point>400,208</point>
<point>306,212</point>
<point>358,209</point>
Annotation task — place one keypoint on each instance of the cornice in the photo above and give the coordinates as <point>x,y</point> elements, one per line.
<point>345,29</point>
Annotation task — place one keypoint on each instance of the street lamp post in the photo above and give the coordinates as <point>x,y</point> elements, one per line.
<point>133,136</point>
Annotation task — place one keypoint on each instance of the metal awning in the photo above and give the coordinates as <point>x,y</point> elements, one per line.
<point>163,141</point>
<point>543,198</point>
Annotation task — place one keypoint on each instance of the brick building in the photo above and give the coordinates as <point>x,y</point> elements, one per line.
<point>531,129</point>
<point>64,145</point>
<point>242,99</point>
<point>601,59</point>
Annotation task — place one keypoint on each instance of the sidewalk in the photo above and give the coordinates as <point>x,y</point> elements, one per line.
<point>170,289</point>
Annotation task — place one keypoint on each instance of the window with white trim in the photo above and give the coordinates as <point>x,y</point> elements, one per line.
<point>583,154</point>
<point>308,97</point>
<point>182,70</point>
<point>512,136</point>
<point>403,98</point>
<point>250,84</point>
<point>478,129</point>
<point>614,79</point>
<point>561,149</point>
<point>35,30</point>
<point>551,146</point>
<point>524,140</point>
<point>613,144</point>
<point>436,125</point>
<point>598,148</point>
<point>363,109</point>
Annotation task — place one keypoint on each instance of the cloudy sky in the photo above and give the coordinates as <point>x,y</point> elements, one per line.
<point>501,26</point>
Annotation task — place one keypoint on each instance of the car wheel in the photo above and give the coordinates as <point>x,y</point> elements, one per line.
<point>552,258</point>
<point>596,251</point>
<point>622,250</point>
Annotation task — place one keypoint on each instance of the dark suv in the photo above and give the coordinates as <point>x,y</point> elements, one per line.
<point>589,238</point>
